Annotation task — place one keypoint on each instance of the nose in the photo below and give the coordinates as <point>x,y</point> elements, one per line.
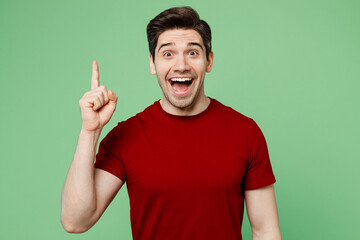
<point>181,64</point>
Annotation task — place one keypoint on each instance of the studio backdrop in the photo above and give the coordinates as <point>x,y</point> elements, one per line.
<point>293,66</point>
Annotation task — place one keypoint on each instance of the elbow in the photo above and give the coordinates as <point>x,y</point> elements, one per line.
<point>71,227</point>
<point>269,235</point>
<point>75,221</point>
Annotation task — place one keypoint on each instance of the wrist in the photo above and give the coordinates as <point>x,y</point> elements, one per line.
<point>95,134</point>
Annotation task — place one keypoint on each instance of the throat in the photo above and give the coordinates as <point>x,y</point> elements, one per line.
<point>189,109</point>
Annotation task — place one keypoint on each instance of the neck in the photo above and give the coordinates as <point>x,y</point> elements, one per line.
<point>195,108</point>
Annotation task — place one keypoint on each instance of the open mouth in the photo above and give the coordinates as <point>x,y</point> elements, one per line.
<point>181,85</point>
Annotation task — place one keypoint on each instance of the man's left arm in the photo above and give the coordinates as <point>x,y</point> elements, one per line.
<point>263,213</point>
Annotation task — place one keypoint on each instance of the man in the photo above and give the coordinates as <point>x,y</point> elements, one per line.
<point>189,161</point>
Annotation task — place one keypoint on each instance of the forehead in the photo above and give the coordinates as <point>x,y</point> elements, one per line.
<point>179,37</point>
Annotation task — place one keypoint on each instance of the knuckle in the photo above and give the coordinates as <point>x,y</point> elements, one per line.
<point>87,94</point>
<point>99,99</point>
<point>95,94</point>
<point>106,97</point>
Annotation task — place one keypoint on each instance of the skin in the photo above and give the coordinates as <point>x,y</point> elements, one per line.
<point>263,213</point>
<point>88,191</point>
<point>181,53</point>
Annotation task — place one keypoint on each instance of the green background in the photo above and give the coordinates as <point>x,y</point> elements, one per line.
<point>293,66</point>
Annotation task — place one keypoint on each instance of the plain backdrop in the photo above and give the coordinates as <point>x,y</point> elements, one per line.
<point>293,66</point>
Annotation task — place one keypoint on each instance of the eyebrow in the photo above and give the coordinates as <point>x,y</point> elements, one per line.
<point>196,44</point>
<point>164,45</point>
<point>189,44</point>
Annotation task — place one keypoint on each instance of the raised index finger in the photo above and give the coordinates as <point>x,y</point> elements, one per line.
<point>95,82</point>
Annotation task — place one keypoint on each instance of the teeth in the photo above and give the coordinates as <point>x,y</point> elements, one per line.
<point>181,79</point>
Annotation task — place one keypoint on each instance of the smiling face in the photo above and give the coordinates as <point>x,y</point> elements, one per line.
<point>180,65</point>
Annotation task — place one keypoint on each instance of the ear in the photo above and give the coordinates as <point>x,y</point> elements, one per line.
<point>210,62</point>
<point>152,65</point>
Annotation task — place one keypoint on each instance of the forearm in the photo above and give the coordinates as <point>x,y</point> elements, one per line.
<point>78,202</point>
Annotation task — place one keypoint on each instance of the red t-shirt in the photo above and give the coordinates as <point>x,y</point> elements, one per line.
<point>186,175</point>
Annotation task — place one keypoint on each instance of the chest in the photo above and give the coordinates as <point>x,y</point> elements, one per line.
<point>168,159</point>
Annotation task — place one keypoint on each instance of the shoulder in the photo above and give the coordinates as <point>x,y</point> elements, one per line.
<point>139,117</point>
<point>231,115</point>
<point>128,128</point>
<point>237,122</point>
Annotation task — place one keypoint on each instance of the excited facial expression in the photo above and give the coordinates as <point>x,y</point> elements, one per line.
<point>180,65</point>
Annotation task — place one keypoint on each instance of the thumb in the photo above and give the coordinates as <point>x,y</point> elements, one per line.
<point>112,97</point>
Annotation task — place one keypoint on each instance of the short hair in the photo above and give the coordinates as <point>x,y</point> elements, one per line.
<point>178,17</point>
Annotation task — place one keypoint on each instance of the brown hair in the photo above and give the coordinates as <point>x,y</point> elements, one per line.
<point>177,17</point>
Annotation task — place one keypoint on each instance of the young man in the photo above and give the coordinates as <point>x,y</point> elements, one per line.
<point>188,160</point>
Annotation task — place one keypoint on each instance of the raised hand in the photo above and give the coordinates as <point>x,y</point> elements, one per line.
<point>97,105</point>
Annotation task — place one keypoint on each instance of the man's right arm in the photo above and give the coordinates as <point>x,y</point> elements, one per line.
<point>88,191</point>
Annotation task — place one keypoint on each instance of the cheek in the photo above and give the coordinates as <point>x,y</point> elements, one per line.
<point>200,68</point>
<point>161,72</point>
<point>199,64</point>
<point>162,68</point>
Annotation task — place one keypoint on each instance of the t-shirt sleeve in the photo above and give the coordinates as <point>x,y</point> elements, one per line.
<point>259,171</point>
<point>108,158</point>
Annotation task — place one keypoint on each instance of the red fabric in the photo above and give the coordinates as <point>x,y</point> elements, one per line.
<point>186,175</point>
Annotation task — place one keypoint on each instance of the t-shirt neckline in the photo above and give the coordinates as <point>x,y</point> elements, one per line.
<point>182,117</point>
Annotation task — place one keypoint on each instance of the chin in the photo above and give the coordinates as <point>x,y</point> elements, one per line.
<point>181,103</point>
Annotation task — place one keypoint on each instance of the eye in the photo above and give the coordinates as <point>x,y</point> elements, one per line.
<point>167,54</point>
<point>193,53</point>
